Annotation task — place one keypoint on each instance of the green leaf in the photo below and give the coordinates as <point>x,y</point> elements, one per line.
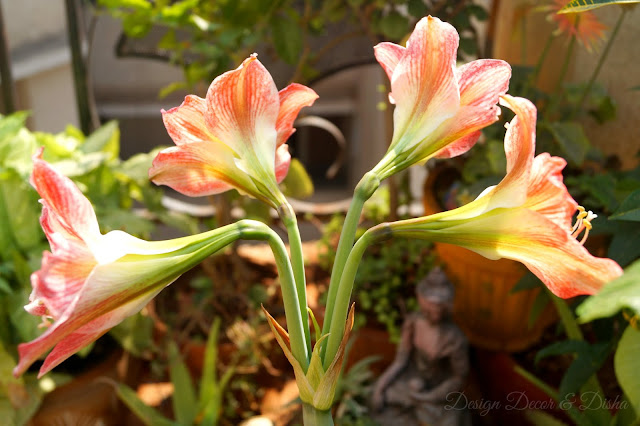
<point>541,418</point>
<point>606,110</point>
<point>210,401</point>
<point>129,4</point>
<point>571,138</point>
<point>148,415</point>
<point>627,366</point>
<point>417,8</point>
<point>19,399</point>
<point>624,247</point>
<point>19,213</point>
<point>621,293</point>
<point>185,405</point>
<point>106,139</point>
<point>394,25</point>
<point>135,334</point>
<point>287,38</point>
<point>584,5</point>
<point>297,183</point>
<point>629,208</point>
<point>527,282</point>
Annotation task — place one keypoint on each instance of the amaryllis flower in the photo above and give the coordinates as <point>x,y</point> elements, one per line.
<point>90,282</point>
<point>526,217</point>
<point>234,138</point>
<point>440,108</point>
<point>584,26</point>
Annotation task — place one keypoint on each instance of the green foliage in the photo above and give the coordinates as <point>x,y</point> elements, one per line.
<point>207,38</point>
<point>627,366</point>
<point>352,394</point>
<point>93,163</point>
<point>297,183</point>
<point>190,406</point>
<point>588,360</point>
<point>622,293</point>
<point>575,6</point>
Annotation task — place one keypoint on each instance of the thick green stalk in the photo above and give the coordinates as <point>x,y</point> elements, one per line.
<point>253,230</point>
<point>604,55</point>
<point>288,217</point>
<point>345,287</point>
<point>314,417</point>
<point>364,190</point>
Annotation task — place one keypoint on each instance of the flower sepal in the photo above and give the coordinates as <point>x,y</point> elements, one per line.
<point>317,386</point>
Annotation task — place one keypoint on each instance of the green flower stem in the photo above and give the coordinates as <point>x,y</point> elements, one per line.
<point>345,287</point>
<point>253,230</point>
<point>314,417</point>
<point>364,190</point>
<point>533,79</point>
<point>604,55</point>
<point>288,217</point>
<point>553,105</point>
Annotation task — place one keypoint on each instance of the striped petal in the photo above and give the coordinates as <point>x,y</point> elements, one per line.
<point>58,282</point>
<point>186,123</point>
<point>198,169</point>
<point>68,209</point>
<point>292,99</point>
<point>547,194</point>
<point>481,82</point>
<point>242,109</point>
<point>519,144</point>
<point>424,84</point>
<point>388,55</point>
<point>549,251</point>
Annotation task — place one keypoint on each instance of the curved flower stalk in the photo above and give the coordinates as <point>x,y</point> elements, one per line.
<point>440,108</point>
<point>234,138</point>
<point>526,217</point>
<point>90,282</point>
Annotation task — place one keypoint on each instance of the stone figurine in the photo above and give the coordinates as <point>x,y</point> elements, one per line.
<point>431,362</point>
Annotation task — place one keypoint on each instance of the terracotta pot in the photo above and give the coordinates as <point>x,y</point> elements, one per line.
<point>485,309</point>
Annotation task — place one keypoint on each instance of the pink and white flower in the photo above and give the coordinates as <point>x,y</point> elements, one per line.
<point>440,108</point>
<point>234,138</point>
<point>90,282</point>
<point>526,217</point>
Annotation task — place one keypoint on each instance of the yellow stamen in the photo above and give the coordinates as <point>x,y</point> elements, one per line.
<point>583,223</point>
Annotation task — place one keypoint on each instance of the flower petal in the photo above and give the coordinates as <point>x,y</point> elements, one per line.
<point>293,98</point>
<point>283,161</point>
<point>424,84</point>
<point>547,194</point>
<point>549,251</point>
<point>186,123</point>
<point>481,82</point>
<point>519,146</point>
<point>58,282</point>
<point>388,55</point>
<point>197,169</point>
<point>242,109</point>
<point>69,208</point>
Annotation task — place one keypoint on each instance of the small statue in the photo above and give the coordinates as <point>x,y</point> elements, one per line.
<point>431,362</point>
